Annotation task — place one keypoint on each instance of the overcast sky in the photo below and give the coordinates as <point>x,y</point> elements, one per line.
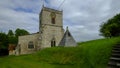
<point>82,16</point>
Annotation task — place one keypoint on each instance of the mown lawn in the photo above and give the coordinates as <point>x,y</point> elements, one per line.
<point>90,54</point>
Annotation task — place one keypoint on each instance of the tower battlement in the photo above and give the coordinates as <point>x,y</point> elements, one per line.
<point>52,10</point>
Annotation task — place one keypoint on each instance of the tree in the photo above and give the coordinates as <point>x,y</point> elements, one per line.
<point>3,44</point>
<point>3,41</point>
<point>12,39</point>
<point>10,33</point>
<point>20,32</point>
<point>111,28</point>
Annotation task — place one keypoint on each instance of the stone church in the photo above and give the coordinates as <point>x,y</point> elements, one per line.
<point>51,33</point>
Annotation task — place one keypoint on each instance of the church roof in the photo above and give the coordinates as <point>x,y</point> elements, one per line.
<point>67,39</point>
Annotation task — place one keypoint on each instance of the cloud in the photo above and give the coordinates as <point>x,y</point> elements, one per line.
<point>90,14</point>
<point>19,14</point>
<point>82,16</point>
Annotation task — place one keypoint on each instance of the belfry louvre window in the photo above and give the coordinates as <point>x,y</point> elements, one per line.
<point>53,21</point>
<point>30,45</point>
<point>53,16</point>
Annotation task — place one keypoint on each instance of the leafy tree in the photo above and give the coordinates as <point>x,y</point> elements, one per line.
<point>3,41</point>
<point>12,40</point>
<point>111,28</point>
<point>3,44</point>
<point>20,32</point>
<point>6,39</point>
<point>10,33</point>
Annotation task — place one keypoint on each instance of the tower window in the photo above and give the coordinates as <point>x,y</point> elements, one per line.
<point>53,20</point>
<point>53,16</point>
<point>30,45</point>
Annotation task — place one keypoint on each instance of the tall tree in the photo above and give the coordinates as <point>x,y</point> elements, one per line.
<point>3,41</point>
<point>20,32</point>
<point>10,33</point>
<point>12,39</point>
<point>111,28</point>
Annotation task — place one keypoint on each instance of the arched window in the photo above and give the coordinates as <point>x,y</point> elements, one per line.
<point>53,43</point>
<point>30,45</point>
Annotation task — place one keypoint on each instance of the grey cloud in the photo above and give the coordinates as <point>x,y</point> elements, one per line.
<point>11,19</point>
<point>89,14</point>
<point>82,16</point>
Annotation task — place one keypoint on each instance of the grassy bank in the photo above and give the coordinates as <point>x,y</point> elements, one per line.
<point>91,54</point>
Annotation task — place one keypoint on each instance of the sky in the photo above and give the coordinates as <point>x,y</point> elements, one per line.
<point>83,17</point>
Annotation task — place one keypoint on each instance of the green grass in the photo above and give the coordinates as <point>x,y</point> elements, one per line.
<point>91,54</point>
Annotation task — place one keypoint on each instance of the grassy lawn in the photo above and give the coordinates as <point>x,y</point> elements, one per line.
<point>91,54</point>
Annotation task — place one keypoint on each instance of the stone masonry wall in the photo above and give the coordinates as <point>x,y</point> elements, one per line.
<point>24,40</point>
<point>49,30</point>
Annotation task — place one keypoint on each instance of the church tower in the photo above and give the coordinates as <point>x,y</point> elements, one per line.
<point>51,27</point>
<point>50,33</point>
